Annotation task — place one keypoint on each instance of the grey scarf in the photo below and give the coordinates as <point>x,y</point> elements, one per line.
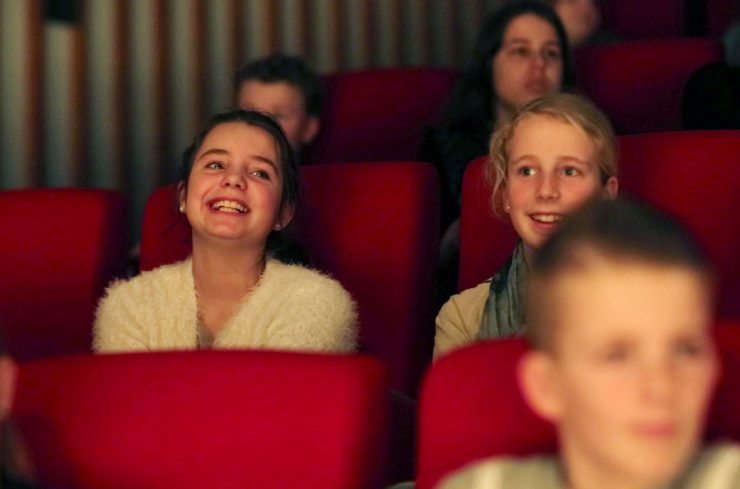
<point>504,312</point>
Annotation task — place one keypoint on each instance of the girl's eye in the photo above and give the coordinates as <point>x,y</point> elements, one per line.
<point>521,51</point>
<point>571,171</point>
<point>689,349</point>
<point>616,355</point>
<point>261,174</point>
<point>526,171</point>
<point>214,165</point>
<point>552,54</point>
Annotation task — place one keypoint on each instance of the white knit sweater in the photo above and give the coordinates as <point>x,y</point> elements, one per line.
<point>293,308</point>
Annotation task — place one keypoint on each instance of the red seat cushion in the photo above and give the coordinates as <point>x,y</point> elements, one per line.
<point>61,247</point>
<point>378,115</point>
<point>204,419</point>
<point>486,241</point>
<point>639,85</point>
<point>695,176</point>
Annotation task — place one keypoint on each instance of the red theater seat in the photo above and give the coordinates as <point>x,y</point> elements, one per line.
<point>694,175</point>
<point>379,115</point>
<point>61,247</point>
<point>374,227</point>
<point>198,420</point>
<point>471,407</point>
<point>639,85</point>
<point>638,19</point>
<point>486,241</point>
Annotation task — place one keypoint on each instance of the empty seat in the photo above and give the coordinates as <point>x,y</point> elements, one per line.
<point>380,114</point>
<point>695,176</point>
<point>374,227</point>
<point>61,247</point>
<point>471,407</point>
<point>639,85</point>
<point>198,420</point>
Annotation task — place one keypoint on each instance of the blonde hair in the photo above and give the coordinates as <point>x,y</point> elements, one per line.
<point>573,109</point>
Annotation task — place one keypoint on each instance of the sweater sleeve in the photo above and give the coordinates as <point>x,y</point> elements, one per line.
<point>458,322</point>
<point>318,315</point>
<point>117,325</point>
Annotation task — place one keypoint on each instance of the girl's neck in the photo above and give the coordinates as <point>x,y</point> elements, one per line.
<point>226,273</point>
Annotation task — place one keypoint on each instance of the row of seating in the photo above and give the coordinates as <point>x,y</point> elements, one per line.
<point>638,84</point>
<point>374,226</point>
<point>281,420</point>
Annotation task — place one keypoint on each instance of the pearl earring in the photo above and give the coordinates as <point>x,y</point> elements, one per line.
<point>182,208</point>
<point>507,207</point>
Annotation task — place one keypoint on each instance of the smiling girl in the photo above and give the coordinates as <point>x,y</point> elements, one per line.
<point>239,188</point>
<point>557,153</point>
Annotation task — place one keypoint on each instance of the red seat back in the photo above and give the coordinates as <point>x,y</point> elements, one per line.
<point>486,241</point>
<point>639,85</point>
<point>694,175</point>
<point>61,247</point>
<point>637,19</point>
<point>374,227</point>
<point>471,407</point>
<point>197,420</point>
<point>379,115</point>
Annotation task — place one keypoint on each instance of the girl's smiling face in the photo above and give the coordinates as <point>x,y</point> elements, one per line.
<point>235,185</point>
<point>551,171</point>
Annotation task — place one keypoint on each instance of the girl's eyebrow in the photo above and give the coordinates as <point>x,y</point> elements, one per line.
<point>213,151</point>
<point>265,159</point>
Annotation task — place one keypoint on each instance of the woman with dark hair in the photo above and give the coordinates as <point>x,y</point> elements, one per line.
<point>521,54</point>
<point>239,190</point>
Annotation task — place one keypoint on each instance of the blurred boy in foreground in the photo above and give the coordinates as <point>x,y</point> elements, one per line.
<point>622,360</point>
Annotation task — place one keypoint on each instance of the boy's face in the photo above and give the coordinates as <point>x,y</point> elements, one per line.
<point>631,370</point>
<point>285,103</point>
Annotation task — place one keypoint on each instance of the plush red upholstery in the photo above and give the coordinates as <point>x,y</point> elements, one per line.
<point>639,85</point>
<point>199,420</point>
<point>696,177</point>
<point>61,247</point>
<point>373,226</point>
<point>166,236</point>
<point>380,114</point>
<point>486,241</point>
<point>638,19</point>
<point>471,407</point>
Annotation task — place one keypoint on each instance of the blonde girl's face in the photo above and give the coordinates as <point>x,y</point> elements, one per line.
<point>551,171</point>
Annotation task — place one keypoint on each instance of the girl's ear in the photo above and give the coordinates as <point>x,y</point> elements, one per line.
<point>611,187</point>
<point>537,375</point>
<point>285,217</point>
<point>181,195</point>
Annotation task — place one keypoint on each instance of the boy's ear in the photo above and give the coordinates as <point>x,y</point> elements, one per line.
<point>311,130</point>
<point>538,380</point>
<point>611,188</point>
<point>8,373</point>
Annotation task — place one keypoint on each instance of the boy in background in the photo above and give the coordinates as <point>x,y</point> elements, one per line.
<point>622,361</point>
<point>288,90</point>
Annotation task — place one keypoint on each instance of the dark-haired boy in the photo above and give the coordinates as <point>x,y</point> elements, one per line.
<point>287,89</point>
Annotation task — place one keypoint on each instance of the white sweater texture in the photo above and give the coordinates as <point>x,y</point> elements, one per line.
<point>293,308</point>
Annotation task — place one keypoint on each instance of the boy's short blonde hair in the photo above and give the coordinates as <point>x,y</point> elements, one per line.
<point>617,230</point>
<point>565,107</point>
